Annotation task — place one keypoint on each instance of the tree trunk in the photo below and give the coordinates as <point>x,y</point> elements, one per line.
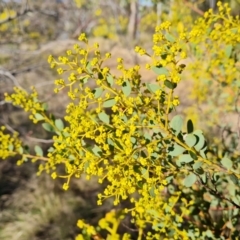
<point>133,20</point>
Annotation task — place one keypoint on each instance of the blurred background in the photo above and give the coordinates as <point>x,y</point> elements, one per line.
<point>31,207</point>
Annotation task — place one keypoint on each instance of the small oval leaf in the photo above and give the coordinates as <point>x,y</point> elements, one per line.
<point>97,151</point>
<point>189,180</point>
<point>228,50</point>
<point>160,70</point>
<point>197,165</point>
<point>193,155</point>
<point>39,151</point>
<point>190,126</point>
<point>153,87</point>
<point>104,117</point>
<point>177,150</point>
<point>176,124</point>
<point>59,124</point>
<point>110,80</point>
<point>190,140</point>
<point>200,140</point>
<point>227,163</point>
<point>145,173</point>
<point>38,116</point>
<point>45,106</point>
<point>202,152</point>
<point>170,84</point>
<point>185,158</point>
<point>170,37</point>
<point>20,150</point>
<point>48,127</point>
<point>97,92</point>
<point>126,88</point>
<point>109,103</point>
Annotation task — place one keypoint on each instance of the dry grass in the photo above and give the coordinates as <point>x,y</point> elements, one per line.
<point>39,209</point>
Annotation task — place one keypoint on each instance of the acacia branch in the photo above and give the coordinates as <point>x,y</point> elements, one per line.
<point>10,76</point>
<point>216,193</point>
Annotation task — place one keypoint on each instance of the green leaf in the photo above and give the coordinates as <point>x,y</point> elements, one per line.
<point>59,124</point>
<point>52,117</point>
<point>136,169</point>
<point>176,124</point>
<point>45,106</point>
<point>193,155</point>
<point>170,37</point>
<point>84,80</point>
<point>71,157</point>
<point>189,180</point>
<point>51,149</point>
<point>209,234</point>
<point>97,151</point>
<point>100,75</point>
<point>145,173</point>
<point>89,67</point>
<point>234,179</point>
<point>153,212</point>
<point>133,140</point>
<point>170,84</point>
<point>227,163</point>
<point>228,50</point>
<point>151,191</point>
<point>190,126</point>
<point>20,150</point>
<point>104,117</point>
<point>48,127</point>
<point>204,178</point>
<point>38,116</point>
<point>10,147</point>
<point>118,144</point>
<point>143,154</point>
<point>197,165</point>
<point>169,179</point>
<point>126,88</point>
<point>38,150</point>
<point>86,165</point>
<point>200,140</point>
<point>171,189</point>
<point>110,80</point>
<point>160,70</point>
<point>202,152</point>
<point>177,150</point>
<point>124,118</point>
<point>234,30</point>
<point>66,134</point>
<point>97,92</point>
<point>109,103</point>
<point>93,118</point>
<point>185,158</point>
<point>110,142</point>
<point>153,87</point>
<point>147,137</point>
<point>190,140</point>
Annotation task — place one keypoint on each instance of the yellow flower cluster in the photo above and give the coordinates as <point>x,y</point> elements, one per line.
<point>110,223</point>
<point>214,41</point>
<point>10,145</point>
<point>121,152</point>
<point>29,102</point>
